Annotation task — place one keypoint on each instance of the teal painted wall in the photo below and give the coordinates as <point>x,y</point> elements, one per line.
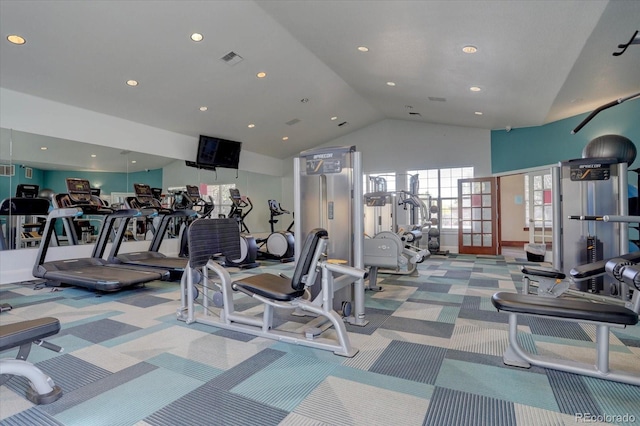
<point>8,184</point>
<point>107,181</point>
<point>549,144</point>
<point>55,180</point>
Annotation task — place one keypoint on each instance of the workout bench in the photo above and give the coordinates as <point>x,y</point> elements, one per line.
<point>22,334</point>
<point>602,315</point>
<point>327,331</point>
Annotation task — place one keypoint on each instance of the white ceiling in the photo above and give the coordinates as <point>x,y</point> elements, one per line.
<point>537,62</point>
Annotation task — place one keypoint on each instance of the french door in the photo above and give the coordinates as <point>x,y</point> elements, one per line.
<point>478,204</point>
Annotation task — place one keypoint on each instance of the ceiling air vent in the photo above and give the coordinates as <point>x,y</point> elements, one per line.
<point>436,99</point>
<point>344,123</point>
<point>292,122</point>
<point>415,114</point>
<point>231,58</point>
<point>7,170</point>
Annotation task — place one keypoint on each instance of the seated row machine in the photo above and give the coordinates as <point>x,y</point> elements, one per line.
<point>210,237</point>
<point>602,315</point>
<point>22,335</point>
<point>553,283</point>
<point>393,253</point>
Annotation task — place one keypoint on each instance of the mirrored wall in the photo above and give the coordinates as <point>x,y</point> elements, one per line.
<point>45,161</point>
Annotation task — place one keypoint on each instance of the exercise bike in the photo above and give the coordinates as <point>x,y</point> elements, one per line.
<point>248,245</point>
<point>279,245</point>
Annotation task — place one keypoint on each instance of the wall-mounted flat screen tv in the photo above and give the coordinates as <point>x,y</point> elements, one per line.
<point>216,152</point>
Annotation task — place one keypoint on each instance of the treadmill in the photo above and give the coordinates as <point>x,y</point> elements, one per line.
<point>15,208</point>
<point>148,205</point>
<point>93,272</point>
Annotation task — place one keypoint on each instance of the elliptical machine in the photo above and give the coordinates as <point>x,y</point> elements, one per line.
<point>191,199</point>
<point>248,245</point>
<point>279,245</point>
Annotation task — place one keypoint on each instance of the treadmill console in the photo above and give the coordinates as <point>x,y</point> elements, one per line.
<point>236,198</point>
<point>24,190</point>
<point>79,190</point>
<point>193,192</point>
<point>144,194</point>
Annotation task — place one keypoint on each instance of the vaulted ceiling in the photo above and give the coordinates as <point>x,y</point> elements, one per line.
<point>536,62</point>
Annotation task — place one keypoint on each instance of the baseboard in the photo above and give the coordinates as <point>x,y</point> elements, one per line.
<point>519,244</point>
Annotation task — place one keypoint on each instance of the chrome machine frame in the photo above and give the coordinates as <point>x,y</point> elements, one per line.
<point>328,194</point>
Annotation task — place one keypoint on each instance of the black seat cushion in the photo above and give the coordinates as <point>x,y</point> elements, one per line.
<point>564,308</point>
<point>270,286</point>
<point>19,333</point>
<point>282,289</point>
<point>543,272</point>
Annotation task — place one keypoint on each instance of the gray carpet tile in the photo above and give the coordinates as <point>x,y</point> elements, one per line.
<point>101,330</point>
<point>241,372</point>
<point>410,361</point>
<point>212,406</point>
<point>571,393</point>
<point>556,328</point>
<point>454,408</point>
<point>100,383</point>
<point>30,417</point>
<point>427,328</point>
<point>144,300</point>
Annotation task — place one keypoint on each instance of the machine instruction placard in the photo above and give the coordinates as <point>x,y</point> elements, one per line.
<point>325,163</point>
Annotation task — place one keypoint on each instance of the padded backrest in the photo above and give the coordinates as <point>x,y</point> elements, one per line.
<point>306,257</point>
<point>210,237</point>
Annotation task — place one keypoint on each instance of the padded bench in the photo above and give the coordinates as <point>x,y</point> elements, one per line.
<point>603,316</point>
<point>21,335</point>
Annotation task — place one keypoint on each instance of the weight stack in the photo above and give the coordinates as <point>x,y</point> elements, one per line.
<point>594,254</point>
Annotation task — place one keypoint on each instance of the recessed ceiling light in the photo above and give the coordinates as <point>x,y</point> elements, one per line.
<point>334,118</point>
<point>16,39</point>
<point>363,48</point>
<point>132,83</point>
<point>197,37</point>
<point>478,113</point>
<point>390,83</point>
<point>251,126</point>
<point>43,148</point>
<point>261,74</point>
<point>203,108</point>
<point>286,138</point>
<point>469,49</point>
<point>93,156</point>
<point>475,89</point>
<point>133,161</point>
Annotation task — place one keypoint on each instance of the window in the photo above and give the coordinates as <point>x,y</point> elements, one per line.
<point>442,184</point>
<point>221,198</point>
